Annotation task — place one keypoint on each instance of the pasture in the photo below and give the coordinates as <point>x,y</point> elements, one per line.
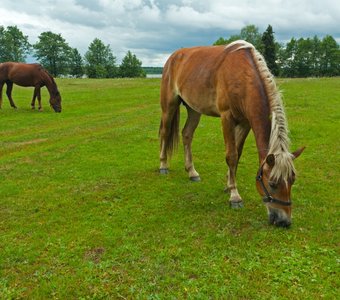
<point>84,213</point>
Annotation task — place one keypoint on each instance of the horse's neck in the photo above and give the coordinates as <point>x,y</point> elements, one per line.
<point>262,136</point>
<point>51,85</point>
<point>271,135</point>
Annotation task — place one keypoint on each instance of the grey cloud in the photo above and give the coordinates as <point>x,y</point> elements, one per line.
<point>90,5</point>
<point>155,28</point>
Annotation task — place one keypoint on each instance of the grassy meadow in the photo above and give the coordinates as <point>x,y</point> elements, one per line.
<point>84,213</point>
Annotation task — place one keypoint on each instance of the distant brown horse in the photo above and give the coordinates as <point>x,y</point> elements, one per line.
<point>29,75</point>
<point>231,82</point>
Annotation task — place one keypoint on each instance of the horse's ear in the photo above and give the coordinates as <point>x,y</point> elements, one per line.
<point>298,152</point>
<point>270,160</point>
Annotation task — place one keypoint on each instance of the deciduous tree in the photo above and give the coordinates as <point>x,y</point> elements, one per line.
<point>53,52</point>
<point>249,33</point>
<point>100,62</point>
<point>14,45</point>
<point>329,57</point>
<point>131,66</point>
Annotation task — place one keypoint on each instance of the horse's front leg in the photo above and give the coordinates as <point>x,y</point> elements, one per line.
<point>187,135</point>
<point>9,93</point>
<point>228,126</point>
<point>33,98</point>
<point>1,86</point>
<point>39,98</point>
<point>36,94</point>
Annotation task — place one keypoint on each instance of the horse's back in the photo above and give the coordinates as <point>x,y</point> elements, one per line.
<point>193,63</point>
<point>21,73</point>
<point>202,75</point>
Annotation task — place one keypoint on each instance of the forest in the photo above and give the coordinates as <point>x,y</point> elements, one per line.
<point>54,53</point>
<point>298,57</point>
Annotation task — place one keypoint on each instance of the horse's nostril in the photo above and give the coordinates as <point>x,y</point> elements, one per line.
<point>279,221</point>
<point>272,218</point>
<point>283,223</point>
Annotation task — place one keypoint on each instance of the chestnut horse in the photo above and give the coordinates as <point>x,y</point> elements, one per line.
<point>29,75</point>
<point>231,82</point>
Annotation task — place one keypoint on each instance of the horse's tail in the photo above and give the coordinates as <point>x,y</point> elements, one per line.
<point>172,139</point>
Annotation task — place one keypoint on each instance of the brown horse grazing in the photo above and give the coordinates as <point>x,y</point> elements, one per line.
<point>231,82</point>
<point>29,75</point>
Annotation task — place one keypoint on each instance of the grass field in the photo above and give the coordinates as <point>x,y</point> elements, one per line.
<point>84,213</point>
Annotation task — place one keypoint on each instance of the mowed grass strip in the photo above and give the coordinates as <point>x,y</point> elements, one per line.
<point>85,214</point>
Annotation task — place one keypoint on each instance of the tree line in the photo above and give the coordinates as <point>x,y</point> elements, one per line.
<point>304,57</point>
<point>54,53</point>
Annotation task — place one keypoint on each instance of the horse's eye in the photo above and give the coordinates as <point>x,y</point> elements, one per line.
<point>273,185</point>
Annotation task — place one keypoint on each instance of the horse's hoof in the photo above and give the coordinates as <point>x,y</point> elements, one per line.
<point>195,178</point>
<point>236,205</point>
<point>164,171</point>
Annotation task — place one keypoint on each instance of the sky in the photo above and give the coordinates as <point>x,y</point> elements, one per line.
<point>153,29</point>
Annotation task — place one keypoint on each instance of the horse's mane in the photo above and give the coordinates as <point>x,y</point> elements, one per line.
<point>279,140</point>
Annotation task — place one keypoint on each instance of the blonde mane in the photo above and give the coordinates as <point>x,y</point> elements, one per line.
<point>279,140</point>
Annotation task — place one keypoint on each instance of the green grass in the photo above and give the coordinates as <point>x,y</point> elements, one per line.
<point>84,213</point>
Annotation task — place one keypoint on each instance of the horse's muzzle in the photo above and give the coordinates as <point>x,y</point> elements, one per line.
<point>57,109</point>
<point>279,219</point>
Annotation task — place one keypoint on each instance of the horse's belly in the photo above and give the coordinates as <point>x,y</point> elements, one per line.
<point>200,94</point>
<point>204,106</point>
<point>210,112</point>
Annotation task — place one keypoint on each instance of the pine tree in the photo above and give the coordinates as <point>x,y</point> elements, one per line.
<point>76,67</point>
<point>131,66</point>
<point>269,50</point>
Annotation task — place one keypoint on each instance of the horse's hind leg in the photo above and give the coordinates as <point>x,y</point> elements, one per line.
<point>9,93</point>
<point>168,131</point>
<point>187,136</point>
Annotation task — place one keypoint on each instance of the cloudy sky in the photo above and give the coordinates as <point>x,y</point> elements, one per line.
<point>152,29</point>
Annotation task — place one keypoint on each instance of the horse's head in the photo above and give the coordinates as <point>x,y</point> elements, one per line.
<point>274,182</point>
<point>55,102</point>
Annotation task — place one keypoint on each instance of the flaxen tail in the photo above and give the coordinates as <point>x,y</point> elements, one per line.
<point>171,139</point>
